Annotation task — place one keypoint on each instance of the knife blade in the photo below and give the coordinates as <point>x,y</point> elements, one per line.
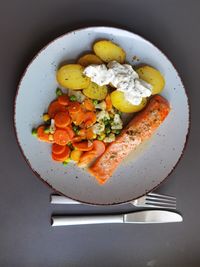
<point>139,217</point>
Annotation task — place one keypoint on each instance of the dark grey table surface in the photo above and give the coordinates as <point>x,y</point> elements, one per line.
<point>26,237</point>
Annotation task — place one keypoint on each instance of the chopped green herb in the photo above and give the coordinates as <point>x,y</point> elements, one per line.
<point>72,98</point>
<point>59,92</point>
<point>119,112</point>
<point>34,132</point>
<point>106,121</point>
<point>76,129</point>
<point>70,145</point>
<point>95,101</point>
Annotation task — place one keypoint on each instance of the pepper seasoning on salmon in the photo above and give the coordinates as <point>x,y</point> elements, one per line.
<point>139,129</point>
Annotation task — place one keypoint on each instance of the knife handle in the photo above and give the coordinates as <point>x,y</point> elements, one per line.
<point>82,220</point>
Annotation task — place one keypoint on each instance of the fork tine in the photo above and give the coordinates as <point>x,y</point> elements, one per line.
<point>164,204</point>
<point>160,199</point>
<point>162,196</point>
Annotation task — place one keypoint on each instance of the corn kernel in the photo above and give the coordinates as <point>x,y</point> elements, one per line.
<point>46,117</point>
<point>51,137</point>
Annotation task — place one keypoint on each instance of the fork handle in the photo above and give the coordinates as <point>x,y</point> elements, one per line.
<point>57,199</point>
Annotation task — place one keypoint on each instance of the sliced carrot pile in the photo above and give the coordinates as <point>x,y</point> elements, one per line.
<point>42,136</point>
<point>62,156</point>
<point>61,137</point>
<point>54,108</point>
<point>62,119</point>
<point>73,127</point>
<point>63,100</point>
<point>83,146</point>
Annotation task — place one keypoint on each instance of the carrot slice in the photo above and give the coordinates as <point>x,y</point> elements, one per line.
<point>57,149</point>
<point>88,105</point>
<point>86,158</point>
<point>62,119</point>
<point>63,100</point>
<point>78,117</point>
<point>74,107</point>
<point>70,132</point>
<point>54,108</point>
<point>63,156</point>
<point>90,119</point>
<point>99,147</point>
<point>108,103</point>
<point>61,137</point>
<point>77,139</point>
<point>82,133</point>
<point>90,134</point>
<point>42,136</point>
<point>83,146</point>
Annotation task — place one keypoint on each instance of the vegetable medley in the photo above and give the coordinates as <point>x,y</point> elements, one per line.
<point>85,117</point>
<point>76,124</point>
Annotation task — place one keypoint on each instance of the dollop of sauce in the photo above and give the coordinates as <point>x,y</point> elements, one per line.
<point>122,77</point>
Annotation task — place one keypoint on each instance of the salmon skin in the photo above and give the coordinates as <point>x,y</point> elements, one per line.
<point>140,128</point>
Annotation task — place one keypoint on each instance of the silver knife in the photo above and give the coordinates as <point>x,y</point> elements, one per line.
<point>139,217</point>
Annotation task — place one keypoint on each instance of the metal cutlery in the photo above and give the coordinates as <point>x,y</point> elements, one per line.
<point>151,200</point>
<point>139,217</point>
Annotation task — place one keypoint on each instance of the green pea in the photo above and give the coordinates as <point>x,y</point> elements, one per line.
<point>116,131</point>
<point>59,92</point>
<point>107,130</point>
<point>34,132</point>
<point>66,161</point>
<point>72,98</point>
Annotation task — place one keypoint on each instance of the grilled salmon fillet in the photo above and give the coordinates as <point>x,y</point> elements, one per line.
<point>140,128</point>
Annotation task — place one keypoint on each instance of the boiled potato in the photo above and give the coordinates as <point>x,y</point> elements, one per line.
<point>120,103</point>
<point>95,91</point>
<point>108,51</point>
<point>152,76</point>
<point>71,76</point>
<point>89,59</point>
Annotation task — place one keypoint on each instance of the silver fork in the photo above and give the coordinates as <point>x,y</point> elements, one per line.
<point>151,200</point>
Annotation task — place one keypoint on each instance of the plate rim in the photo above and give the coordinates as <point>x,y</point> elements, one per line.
<point>15,127</point>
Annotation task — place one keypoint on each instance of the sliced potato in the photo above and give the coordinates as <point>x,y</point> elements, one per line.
<point>120,103</point>
<point>89,59</point>
<point>152,76</point>
<point>108,51</point>
<point>71,76</point>
<point>95,91</point>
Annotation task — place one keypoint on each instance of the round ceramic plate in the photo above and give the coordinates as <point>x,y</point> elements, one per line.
<point>147,167</point>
